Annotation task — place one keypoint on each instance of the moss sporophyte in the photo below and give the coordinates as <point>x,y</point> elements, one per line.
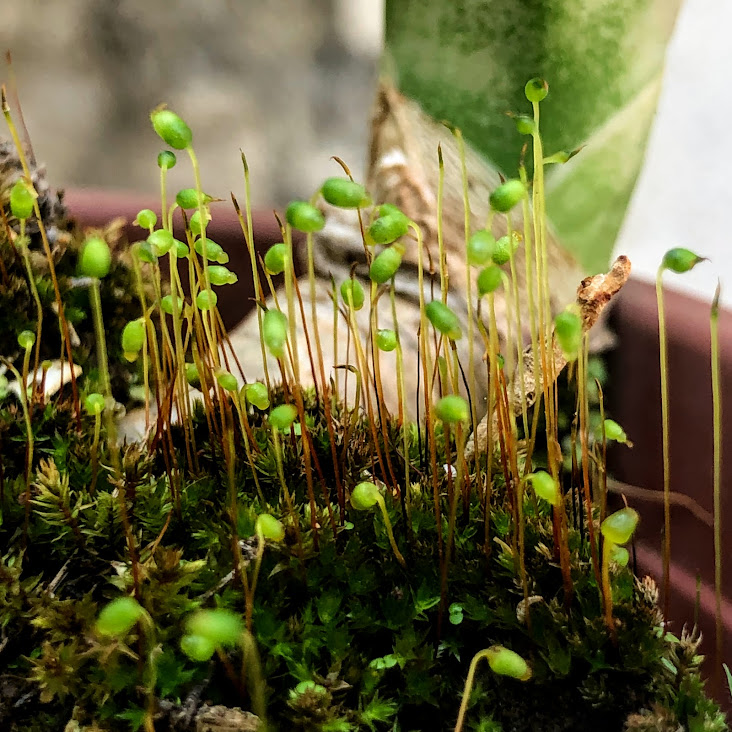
<point>402,478</point>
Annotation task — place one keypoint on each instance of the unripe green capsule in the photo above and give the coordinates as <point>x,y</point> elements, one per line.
<point>166,160</point>
<point>194,223</point>
<point>387,229</point>
<point>94,404</point>
<point>352,294</point>
<point>192,375</point>
<point>505,662</point>
<point>385,265</point>
<point>274,331</point>
<point>181,249</point>
<point>221,627</point>
<point>119,617</point>
<point>452,409</point>
<point>619,555</point>
<point>95,259</point>
<point>618,527</point>
<point>364,496</point>
<point>146,218</point>
<point>536,89</point>
<point>257,394</point>
<point>26,339</point>
<point>304,216</point>
<point>188,198</point>
<point>133,337</point>
<point>344,193</point>
<point>171,128</point>
<point>680,260</point>
<point>22,198</point>
<point>214,252</point>
<point>443,319</point>
<point>568,332</point>
<point>525,125</point>
<point>227,381</point>
<point>161,242</point>
<point>219,275</point>
<point>481,247</point>
<point>275,259</point>
<point>386,339</point>
<point>144,252</point>
<point>489,280</point>
<point>270,528</point>
<point>613,431</point>
<point>504,249</point>
<point>545,487</point>
<point>389,209</point>
<point>283,416</point>
<point>507,195</point>
<point>197,648</point>
<point>206,300</point>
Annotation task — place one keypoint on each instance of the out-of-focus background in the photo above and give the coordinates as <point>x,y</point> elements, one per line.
<point>290,82</point>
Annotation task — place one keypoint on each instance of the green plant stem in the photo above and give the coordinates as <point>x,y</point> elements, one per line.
<point>23,245</point>
<point>665,436</point>
<point>389,531</point>
<point>468,688</point>
<point>607,590</point>
<point>288,497</point>
<point>717,419</point>
<point>95,452</point>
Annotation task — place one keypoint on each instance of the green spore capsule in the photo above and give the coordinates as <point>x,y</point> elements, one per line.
<point>489,280</point>
<point>22,198</point>
<point>197,648</point>
<point>525,125</point>
<point>680,260</point>
<point>26,339</point>
<point>505,662</point>
<point>389,209</point>
<point>194,223</point>
<point>275,258</point>
<point>192,375</point>
<point>364,496</point>
<point>227,381</point>
<point>386,339</point>
<point>385,265</point>
<point>144,252</point>
<point>161,242</point>
<point>613,431</point>
<point>188,198</point>
<point>133,337</point>
<point>507,195</point>
<point>94,404</point>
<point>181,249</point>
<point>219,275</point>
<point>166,304</point>
<point>618,527</point>
<point>481,246</point>
<point>568,332</point>
<point>504,249</point>
<point>443,319</point>
<point>146,218</point>
<point>452,409</point>
<point>545,487</point>
<point>619,555</point>
<point>206,300</point>
<point>274,332</point>
<point>344,193</point>
<point>119,617</point>
<point>257,394</point>
<point>303,216</point>
<point>352,294</point>
<point>387,229</point>
<point>171,128</point>
<point>214,252</point>
<point>166,160</point>
<point>270,528</point>
<point>536,89</point>
<point>95,259</point>
<point>221,627</point>
<point>283,416</point>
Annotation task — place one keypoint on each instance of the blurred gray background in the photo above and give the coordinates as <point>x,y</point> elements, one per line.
<point>290,82</point>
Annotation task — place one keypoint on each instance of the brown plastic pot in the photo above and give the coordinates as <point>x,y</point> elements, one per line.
<point>633,398</point>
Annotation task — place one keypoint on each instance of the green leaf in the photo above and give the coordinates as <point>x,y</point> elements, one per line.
<point>467,63</point>
<point>134,716</point>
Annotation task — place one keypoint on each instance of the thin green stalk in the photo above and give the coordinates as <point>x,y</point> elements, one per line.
<point>23,245</point>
